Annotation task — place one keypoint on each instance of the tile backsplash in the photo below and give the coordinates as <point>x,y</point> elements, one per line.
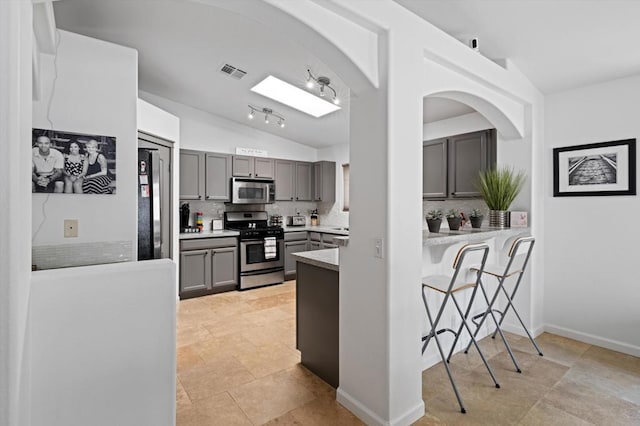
<point>329,214</point>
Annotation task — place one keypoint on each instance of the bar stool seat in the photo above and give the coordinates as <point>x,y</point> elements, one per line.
<point>519,254</point>
<point>449,285</point>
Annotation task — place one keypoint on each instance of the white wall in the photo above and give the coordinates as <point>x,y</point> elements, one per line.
<point>16,33</point>
<point>467,123</point>
<point>591,289</point>
<point>207,132</point>
<point>95,92</point>
<point>104,346</point>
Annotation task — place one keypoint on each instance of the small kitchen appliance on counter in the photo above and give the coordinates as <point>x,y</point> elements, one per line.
<point>184,216</point>
<point>275,220</point>
<point>314,218</point>
<point>261,248</point>
<point>297,220</point>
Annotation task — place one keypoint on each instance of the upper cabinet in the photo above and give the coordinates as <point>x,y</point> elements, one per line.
<point>293,180</point>
<point>434,169</point>
<point>303,181</point>
<point>324,181</point>
<point>285,183</point>
<point>218,174</point>
<point>204,175</point>
<point>451,165</point>
<point>192,164</point>
<point>253,167</point>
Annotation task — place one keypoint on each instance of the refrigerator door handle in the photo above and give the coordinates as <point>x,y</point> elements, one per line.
<point>157,223</point>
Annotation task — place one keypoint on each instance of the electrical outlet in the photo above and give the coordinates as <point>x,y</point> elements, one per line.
<point>70,228</point>
<point>378,244</point>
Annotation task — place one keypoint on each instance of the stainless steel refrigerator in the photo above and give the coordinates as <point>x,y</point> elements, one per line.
<point>149,214</point>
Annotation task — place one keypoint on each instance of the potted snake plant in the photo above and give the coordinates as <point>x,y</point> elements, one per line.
<point>499,187</point>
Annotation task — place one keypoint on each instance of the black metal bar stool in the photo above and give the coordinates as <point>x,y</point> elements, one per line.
<point>519,255</point>
<point>449,285</point>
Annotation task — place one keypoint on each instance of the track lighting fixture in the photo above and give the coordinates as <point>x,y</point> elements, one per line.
<point>268,113</point>
<point>323,83</point>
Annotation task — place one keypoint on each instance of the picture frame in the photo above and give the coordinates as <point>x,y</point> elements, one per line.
<point>72,163</point>
<point>596,169</point>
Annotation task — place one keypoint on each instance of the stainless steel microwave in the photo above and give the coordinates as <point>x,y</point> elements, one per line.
<point>252,191</point>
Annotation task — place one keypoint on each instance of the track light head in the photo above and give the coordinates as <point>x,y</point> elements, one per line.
<point>322,82</point>
<point>268,112</point>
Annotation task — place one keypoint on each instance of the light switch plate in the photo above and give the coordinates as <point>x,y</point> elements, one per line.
<point>71,228</point>
<point>379,248</point>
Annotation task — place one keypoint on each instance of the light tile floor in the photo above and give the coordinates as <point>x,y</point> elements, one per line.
<point>237,365</point>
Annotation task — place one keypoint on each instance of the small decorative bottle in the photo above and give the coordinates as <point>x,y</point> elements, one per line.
<point>199,223</point>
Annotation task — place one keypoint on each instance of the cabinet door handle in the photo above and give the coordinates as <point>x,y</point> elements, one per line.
<point>207,197</point>
<point>292,198</point>
<point>199,197</point>
<point>296,198</point>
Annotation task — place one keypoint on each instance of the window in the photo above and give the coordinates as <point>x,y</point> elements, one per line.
<point>345,187</point>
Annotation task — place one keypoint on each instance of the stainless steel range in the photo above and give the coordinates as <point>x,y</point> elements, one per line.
<point>261,248</point>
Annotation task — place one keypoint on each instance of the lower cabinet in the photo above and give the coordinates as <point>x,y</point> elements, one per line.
<point>291,247</point>
<point>207,266</point>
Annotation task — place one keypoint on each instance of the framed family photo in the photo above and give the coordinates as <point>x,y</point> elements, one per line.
<point>72,163</point>
<point>604,168</point>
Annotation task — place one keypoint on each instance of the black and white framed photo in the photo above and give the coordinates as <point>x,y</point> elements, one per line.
<point>72,163</point>
<point>604,168</point>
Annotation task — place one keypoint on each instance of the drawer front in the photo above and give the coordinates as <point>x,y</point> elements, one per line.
<point>315,236</point>
<point>206,243</point>
<point>295,236</point>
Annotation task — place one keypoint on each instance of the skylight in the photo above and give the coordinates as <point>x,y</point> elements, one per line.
<point>290,95</point>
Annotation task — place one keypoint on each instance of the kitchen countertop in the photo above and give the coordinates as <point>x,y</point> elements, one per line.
<point>326,258</point>
<point>209,234</point>
<point>327,229</point>
<point>468,234</point>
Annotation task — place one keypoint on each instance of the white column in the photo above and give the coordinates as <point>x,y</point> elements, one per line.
<point>380,371</point>
<point>15,207</point>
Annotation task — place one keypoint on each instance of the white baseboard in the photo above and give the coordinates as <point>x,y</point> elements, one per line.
<point>371,418</point>
<point>614,345</point>
<point>517,329</point>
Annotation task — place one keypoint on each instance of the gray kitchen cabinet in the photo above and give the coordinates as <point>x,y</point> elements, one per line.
<point>204,175</point>
<point>434,164</point>
<point>253,167</point>
<point>315,245</point>
<point>293,180</point>
<point>224,267</point>
<point>329,245</point>
<point>291,247</point>
<point>468,155</point>
<point>218,173</point>
<point>192,175</point>
<point>303,181</point>
<point>284,179</point>
<point>451,165</point>
<point>208,265</point>
<point>324,181</point>
<point>264,168</point>
<point>195,271</point>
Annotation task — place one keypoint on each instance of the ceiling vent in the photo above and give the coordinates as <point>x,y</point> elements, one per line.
<point>232,71</point>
